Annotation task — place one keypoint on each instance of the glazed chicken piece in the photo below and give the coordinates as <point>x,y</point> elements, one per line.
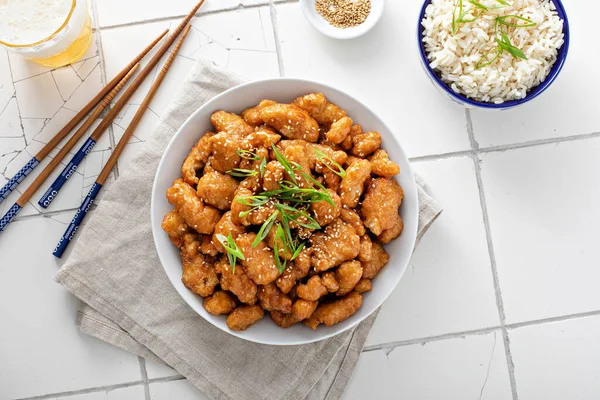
<point>365,144</point>
<point>348,143</point>
<point>224,155</point>
<point>272,299</point>
<point>259,262</point>
<point>313,289</point>
<point>196,214</point>
<point>252,115</point>
<point>329,281</point>
<point>220,303</point>
<point>352,218</point>
<point>199,274</point>
<point>303,309</point>
<point>336,244</point>
<point>175,226</point>
<point>291,121</point>
<point>340,130</point>
<point>332,313</point>
<point>230,123</point>
<point>392,233</point>
<point>284,320</point>
<point>295,271</point>
<point>320,108</point>
<point>256,217</point>
<point>237,283</point>
<point>299,153</point>
<point>347,275</point>
<point>366,248</point>
<point>378,260</point>
<point>353,183</point>
<point>197,159</point>
<point>263,136</point>
<point>191,245</point>
<point>243,317</point>
<point>225,227</point>
<point>208,246</point>
<point>331,180</point>
<point>319,164</point>
<point>380,205</point>
<point>382,165</point>
<point>323,212</point>
<point>274,173</point>
<point>364,285</point>
<point>217,189</point>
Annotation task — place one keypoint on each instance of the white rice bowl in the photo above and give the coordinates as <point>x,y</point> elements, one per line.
<point>455,57</point>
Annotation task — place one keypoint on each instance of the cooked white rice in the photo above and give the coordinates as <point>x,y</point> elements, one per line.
<point>454,57</point>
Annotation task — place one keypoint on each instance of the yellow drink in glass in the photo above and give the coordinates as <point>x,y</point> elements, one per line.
<point>49,32</point>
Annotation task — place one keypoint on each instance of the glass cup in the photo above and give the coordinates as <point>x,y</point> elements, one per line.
<point>67,44</point>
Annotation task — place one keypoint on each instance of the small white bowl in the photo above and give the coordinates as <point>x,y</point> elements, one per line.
<point>320,24</point>
<point>284,90</point>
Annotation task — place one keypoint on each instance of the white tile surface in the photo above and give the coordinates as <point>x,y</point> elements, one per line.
<point>180,390</point>
<point>41,349</point>
<point>569,106</point>
<point>385,77</point>
<point>129,393</point>
<point>156,370</point>
<point>462,368</point>
<point>448,286</point>
<point>543,209</point>
<point>557,361</point>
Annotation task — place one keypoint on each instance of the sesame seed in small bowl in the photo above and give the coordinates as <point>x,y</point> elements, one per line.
<point>342,19</point>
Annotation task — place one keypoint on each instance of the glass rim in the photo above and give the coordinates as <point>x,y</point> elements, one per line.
<point>46,39</point>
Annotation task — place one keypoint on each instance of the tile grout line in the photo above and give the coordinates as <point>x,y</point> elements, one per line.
<point>561,318</point>
<point>67,394</point>
<point>144,373</point>
<point>167,379</point>
<point>492,255</point>
<point>273,12</point>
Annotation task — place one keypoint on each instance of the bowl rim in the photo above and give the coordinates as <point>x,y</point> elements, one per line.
<point>350,34</point>
<point>534,92</point>
<point>409,229</point>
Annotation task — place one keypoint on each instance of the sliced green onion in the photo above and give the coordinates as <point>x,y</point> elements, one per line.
<point>241,173</point>
<point>248,155</point>
<point>265,229</point>
<point>341,172</point>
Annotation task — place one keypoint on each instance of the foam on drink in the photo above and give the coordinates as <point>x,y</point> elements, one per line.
<point>29,21</point>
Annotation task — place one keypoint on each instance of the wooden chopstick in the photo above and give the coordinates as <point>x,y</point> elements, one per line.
<point>112,161</point>
<point>72,166</point>
<point>35,161</point>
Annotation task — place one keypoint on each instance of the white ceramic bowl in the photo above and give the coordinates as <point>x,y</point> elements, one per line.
<point>320,24</point>
<point>283,90</point>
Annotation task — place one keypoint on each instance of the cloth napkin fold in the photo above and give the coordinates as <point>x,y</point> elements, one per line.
<point>130,302</point>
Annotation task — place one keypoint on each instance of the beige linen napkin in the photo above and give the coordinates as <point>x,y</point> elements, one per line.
<point>130,302</point>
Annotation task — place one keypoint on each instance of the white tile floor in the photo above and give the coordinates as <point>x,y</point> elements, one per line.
<point>500,300</point>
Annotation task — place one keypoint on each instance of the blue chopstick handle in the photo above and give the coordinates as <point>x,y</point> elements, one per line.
<point>18,178</point>
<point>10,214</point>
<point>66,238</point>
<point>66,173</point>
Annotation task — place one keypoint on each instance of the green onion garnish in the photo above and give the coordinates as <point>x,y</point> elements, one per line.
<point>233,251</point>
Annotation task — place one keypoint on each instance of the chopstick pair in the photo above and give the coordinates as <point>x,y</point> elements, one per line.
<point>67,237</point>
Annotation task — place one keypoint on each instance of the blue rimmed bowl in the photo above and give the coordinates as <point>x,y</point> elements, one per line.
<point>470,103</point>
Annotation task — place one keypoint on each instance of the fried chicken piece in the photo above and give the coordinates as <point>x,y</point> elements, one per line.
<point>366,248</point>
<point>347,275</point>
<point>340,130</point>
<point>208,247</point>
<point>252,115</point>
<point>329,281</point>
<point>331,180</point>
<point>175,226</point>
<point>197,158</point>
<point>365,144</point>
<point>380,205</point>
<point>217,189</point>
<point>196,214</point>
<point>230,123</point>
<point>364,285</point>
<point>259,261</point>
<point>353,183</point>
<point>220,303</point>
<point>272,299</point>
<point>352,218</point>
<point>224,155</point>
<point>392,233</point>
<point>320,108</point>
<point>348,143</point>
<point>199,274</point>
<point>243,317</point>
<point>254,165</point>
<point>256,217</point>
<point>382,165</point>
<point>313,290</point>
<point>225,227</point>
<point>284,320</point>
<point>298,153</point>
<point>303,309</point>
<point>323,212</point>
<point>379,259</point>
<point>320,164</point>
<point>274,174</point>
<point>237,283</point>
<point>294,271</point>
<point>338,243</point>
<point>332,313</point>
<point>291,121</point>
<point>263,136</point>
<point>191,244</point>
